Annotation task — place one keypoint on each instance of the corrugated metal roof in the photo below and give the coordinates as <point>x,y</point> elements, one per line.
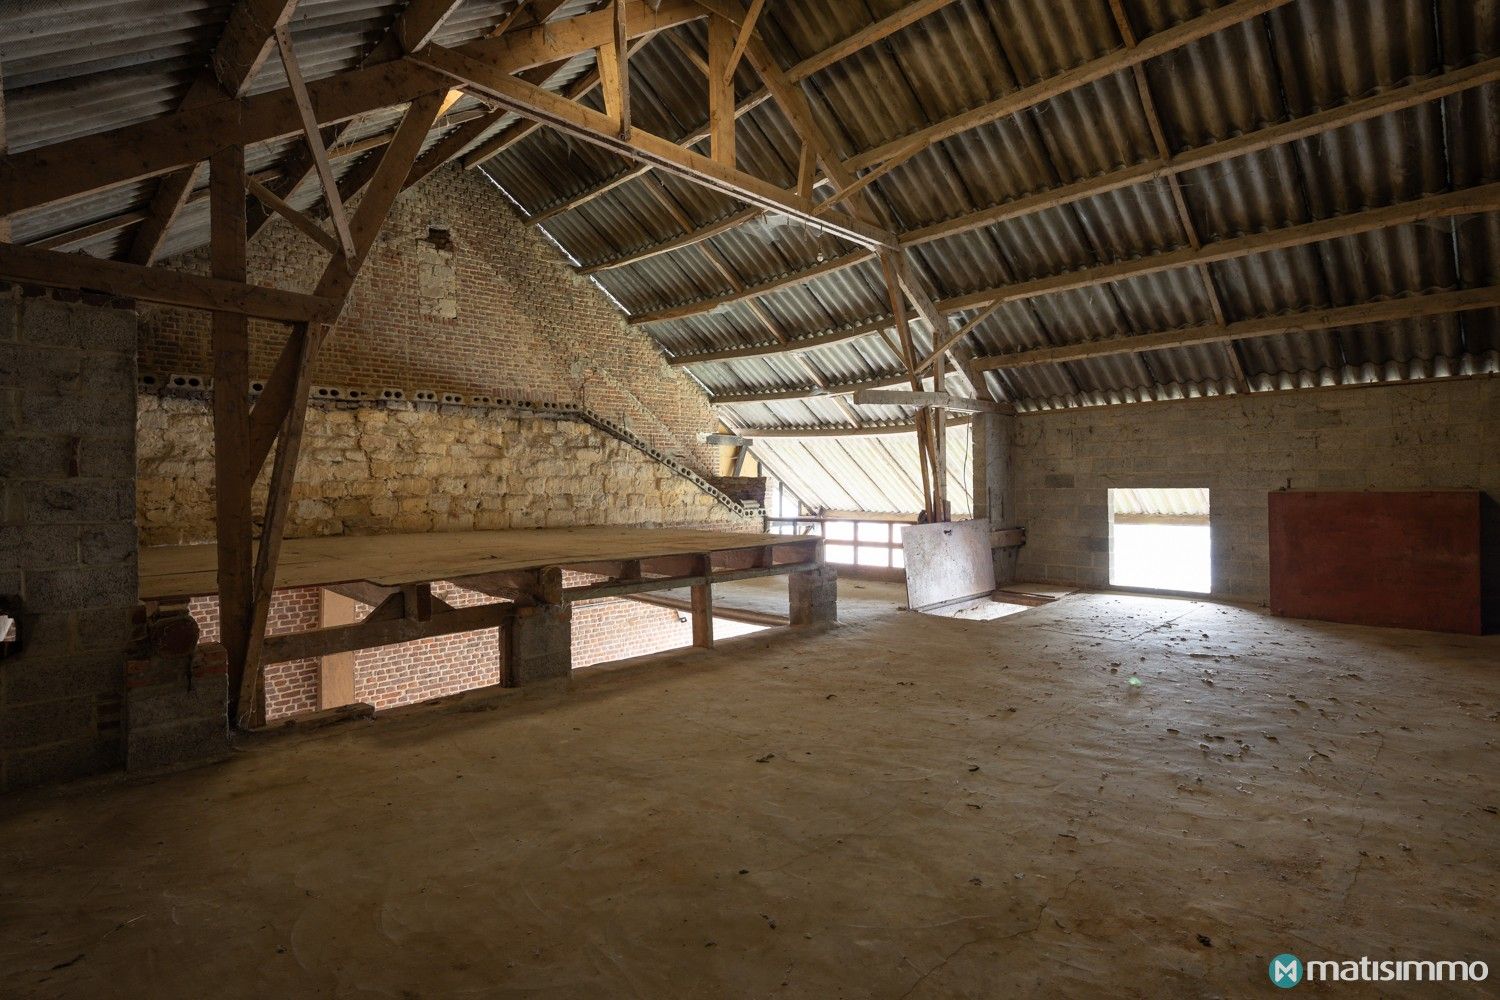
<point>74,68</point>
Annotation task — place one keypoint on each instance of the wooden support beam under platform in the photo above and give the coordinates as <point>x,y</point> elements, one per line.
<point>395,573</point>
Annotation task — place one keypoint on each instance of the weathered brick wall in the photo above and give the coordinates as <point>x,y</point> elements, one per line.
<point>603,630</point>
<point>491,310</point>
<point>419,467</point>
<point>67,542</point>
<point>1433,435</point>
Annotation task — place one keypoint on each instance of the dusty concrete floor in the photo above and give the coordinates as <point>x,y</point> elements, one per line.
<point>905,806</point>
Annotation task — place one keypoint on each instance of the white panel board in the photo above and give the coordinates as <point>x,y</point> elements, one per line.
<point>947,562</point>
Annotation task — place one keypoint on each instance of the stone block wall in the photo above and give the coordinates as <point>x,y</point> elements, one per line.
<point>1443,434</point>
<point>67,537</point>
<point>378,468</point>
<point>459,295</point>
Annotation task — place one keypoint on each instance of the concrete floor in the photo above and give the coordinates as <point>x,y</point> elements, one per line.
<point>904,806</point>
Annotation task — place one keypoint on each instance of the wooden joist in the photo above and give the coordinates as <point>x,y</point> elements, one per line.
<point>149,284</point>
<point>830,430</point>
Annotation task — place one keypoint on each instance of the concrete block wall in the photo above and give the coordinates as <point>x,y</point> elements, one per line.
<point>67,533</point>
<point>1442,434</point>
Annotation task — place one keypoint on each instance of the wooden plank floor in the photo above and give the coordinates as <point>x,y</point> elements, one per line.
<point>391,560</point>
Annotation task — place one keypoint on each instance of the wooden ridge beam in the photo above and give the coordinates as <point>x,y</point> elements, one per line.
<point>1386,311</point>
<point>149,284</point>
<point>592,126</point>
<point>885,158</point>
<point>187,137</point>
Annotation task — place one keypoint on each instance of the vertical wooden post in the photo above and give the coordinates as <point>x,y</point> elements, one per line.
<point>233,476</point>
<point>940,441</point>
<point>720,90</point>
<point>337,281</point>
<point>703,607</point>
<point>335,671</point>
<point>4,222</point>
<point>614,72</point>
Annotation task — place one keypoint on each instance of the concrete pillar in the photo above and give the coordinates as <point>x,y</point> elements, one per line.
<point>813,596</point>
<point>541,645</point>
<point>994,496</point>
<point>176,694</point>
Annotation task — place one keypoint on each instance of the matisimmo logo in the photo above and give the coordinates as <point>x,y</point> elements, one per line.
<point>1286,971</point>
<point>1289,970</point>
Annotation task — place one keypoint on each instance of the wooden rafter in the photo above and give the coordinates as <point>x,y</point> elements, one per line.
<point>864,38</point>
<point>1174,187</point>
<point>1457,203</point>
<point>895,397</point>
<point>4,222</point>
<point>1396,99</point>
<point>885,158</point>
<point>187,137</point>
<point>1387,310</point>
<point>1484,198</point>
<point>631,173</point>
<point>593,126</point>
<point>242,49</point>
<point>726,270</point>
<point>1384,311</point>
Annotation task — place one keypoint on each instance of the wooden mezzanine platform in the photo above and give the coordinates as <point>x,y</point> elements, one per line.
<point>523,569</point>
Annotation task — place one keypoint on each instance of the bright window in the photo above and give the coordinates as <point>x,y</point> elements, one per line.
<point>1159,539</point>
